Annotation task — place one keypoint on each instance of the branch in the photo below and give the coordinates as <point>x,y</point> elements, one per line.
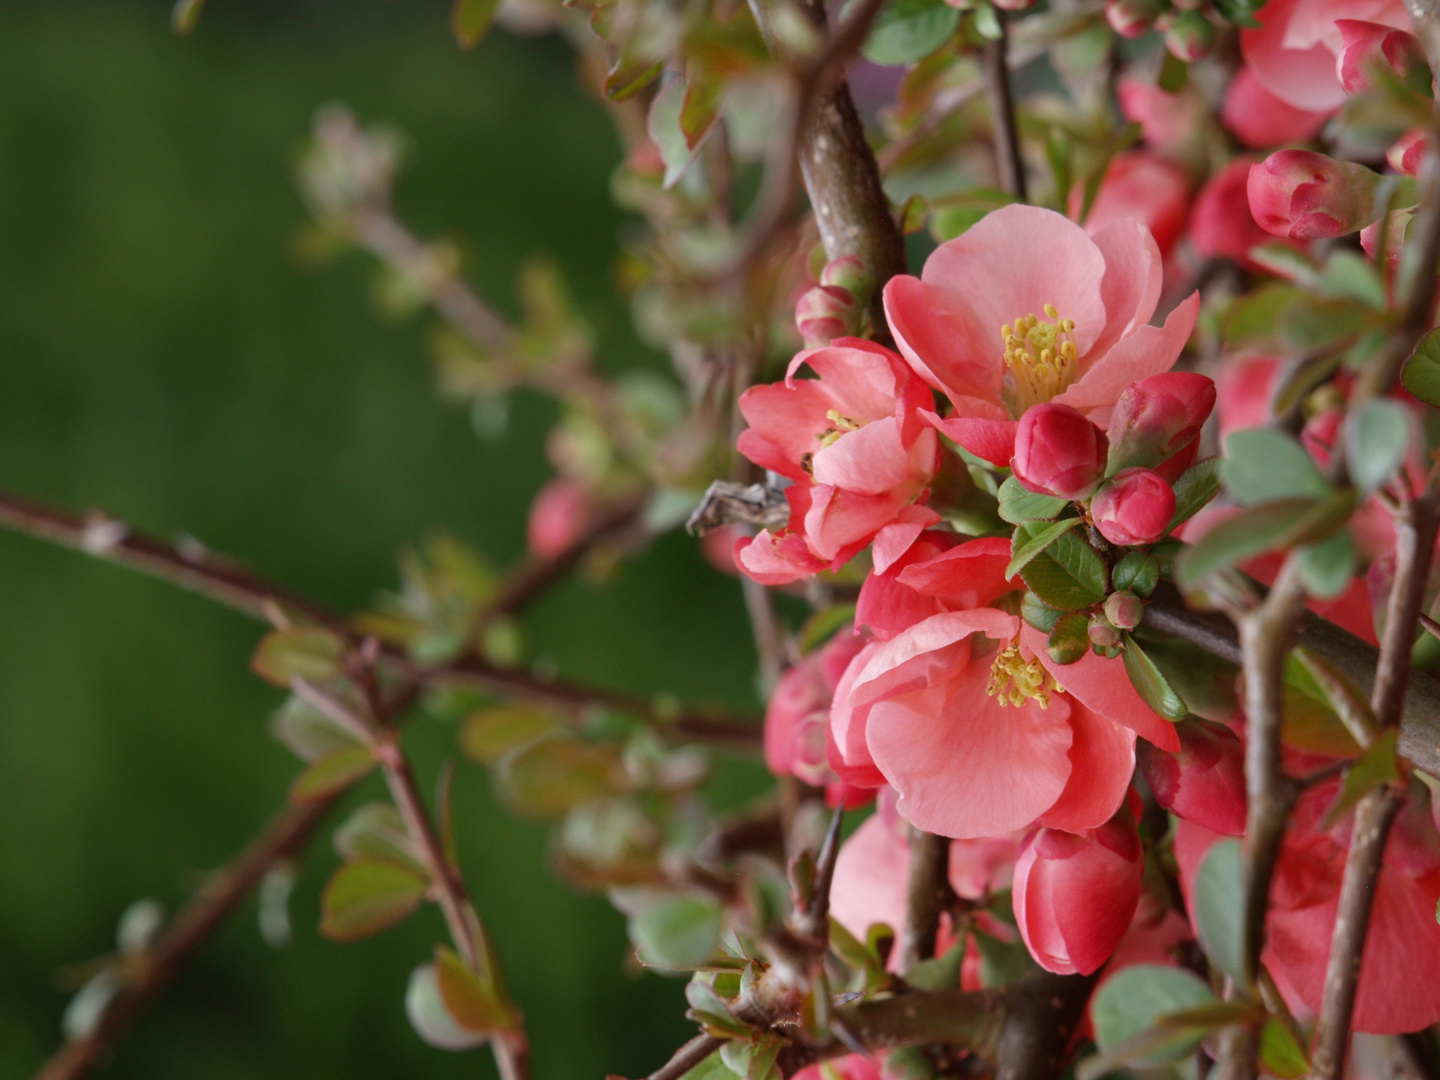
<point>927,898</point>
<point>686,1058</point>
<point>1009,164</point>
<point>284,837</point>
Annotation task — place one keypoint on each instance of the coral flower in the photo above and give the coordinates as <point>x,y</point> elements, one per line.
<point>1026,307</point>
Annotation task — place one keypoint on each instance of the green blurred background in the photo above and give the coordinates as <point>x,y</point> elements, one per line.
<point>165,355</point>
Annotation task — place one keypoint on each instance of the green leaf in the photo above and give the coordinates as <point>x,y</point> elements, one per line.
<point>1262,465</point>
<point>1204,682</point>
<point>823,625</point>
<point>1038,613</point>
<point>376,833</point>
<point>678,933</point>
<point>473,1002</point>
<point>1002,962</point>
<point>1376,437</point>
<point>1197,486</point>
<point>1337,692</point>
<point>940,973</point>
<point>1421,374</point>
<point>1067,575</point>
<point>1240,12</point>
<point>470,20</point>
<point>1350,275</point>
<point>1377,767</point>
<point>363,898</point>
<point>1138,572</point>
<point>425,1006</point>
<point>1032,538</point>
<point>951,216</point>
<point>665,131</point>
<point>488,733</point>
<point>1069,639</point>
<point>303,652</point>
<point>1018,505</point>
<point>701,107</point>
<point>1266,527</point>
<point>1281,1055</point>
<point>1284,261</point>
<point>631,74</point>
<point>1306,720</point>
<point>1327,567</point>
<point>308,732</point>
<point>1132,1000</point>
<point>1300,381</point>
<point>1152,686</point>
<point>547,776</point>
<point>1219,900</point>
<point>907,30</point>
<point>332,774</point>
<point>712,1068</point>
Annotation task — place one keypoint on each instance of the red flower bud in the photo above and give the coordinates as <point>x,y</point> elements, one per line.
<point>1158,417</point>
<point>561,511</point>
<point>1134,507</point>
<point>1058,452</point>
<point>1407,153</point>
<point>825,313</point>
<point>1101,633</point>
<point>849,273</point>
<point>1075,896</point>
<point>1131,18</point>
<point>1190,36</point>
<point>1368,45</point>
<point>1205,781</point>
<point>1304,195</point>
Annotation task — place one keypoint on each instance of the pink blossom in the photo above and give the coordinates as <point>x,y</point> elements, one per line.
<point>1159,417</point>
<point>848,1067</point>
<point>1367,44</point>
<point>856,448</point>
<point>1205,782</point>
<point>1294,50</point>
<point>1261,120</point>
<point>1221,223</point>
<point>1075,896</point>
<point>1059,452</point>
<point>1134,507</point>
<point>1170,123</point>
<point>799,711</point>
<point>1305,195</point>
<point>561,512</point>
<point>1138,183</point>
<point>1026,307</point>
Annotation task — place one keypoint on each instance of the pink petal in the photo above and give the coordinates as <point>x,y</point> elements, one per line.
<point>862,383</point>
<point>776,560</point>
<point>969,575</point>
<point>992,440</point>
<point>871,461</point>
<point>939,344</point>
<point>845,745</point>
<point>1302,77</point>
<point>785,422</point>
<point>922,655</point>
<point>895,540</point>
<point>1102,761</point>
<point>1102,686</point>
<point>963,765</point>
<point>1148,351</point>
<point>1131,287</point>
<point>871,873</point>
<point>841,522</point>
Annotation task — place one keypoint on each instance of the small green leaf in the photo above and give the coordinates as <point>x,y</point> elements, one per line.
<point>953,215</point>
<point>332,773</point>
<point>307,731</point>
<point>1350,275</point>
<point>1327,567</point>
<point>1337,692</point>
<point>712,1068</point>
<point>1262,528</point>
<point>1132,1000</point>
<point>363,898</point>
<point>1152,686</point>
<point>1378,766</point>
<point>665,131</point>
<point>376,833</point>
<point>1068,575</point>
<point>1263,464</point>
<point>1197,486</point>
<point>1421,374</point>
<point>940,973</point>
<point>303,652</point>
<point>630,74</point>
<point>473,1002</point>
<point>1033,538</point>
<point>545,777</point>
<point>1069,639</point>
<point>1376,436</point>
<point>1138,572</point>
<point>1219,899</point>
<point>1018,505</point>
<point>428,1015</point>
<point>701,107</point>
<point>1281,1055</point>
<point>678,933</point>
<point>470,20</point>
<point>1002,962</point>
<point>488,733</point>
<point>907,30</point>
<point>1038,613</point>
<point>1204,682</point>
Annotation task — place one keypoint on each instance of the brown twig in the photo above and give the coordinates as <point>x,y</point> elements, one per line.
<point>1009,163</point>
<point>927,896</point>
<point>687,1057</point>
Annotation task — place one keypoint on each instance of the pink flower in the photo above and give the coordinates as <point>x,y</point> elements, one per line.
<point>1159,417</point>
<point>1059,452</point>
<point>1026,307</point>
<point>1205,782</point>
<point>1221,223</point>
<point>1261,120</point>
<point>1304,195</point>
<point>1138,183</point>
<point>561,512</point>
<point>1134,507</point>
<point>1368,44</point>
<point>1075,896</point>
<point>1294,51</point>
<point>856,448</point>
<point>1170,123</point>
<point>938,573</point>
<point>848,1067</point>
<point>799,711</point>
<point>971,694</point>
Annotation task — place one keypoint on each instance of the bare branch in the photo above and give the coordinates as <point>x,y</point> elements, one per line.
<point>927,897</point>
<point>1009,164</point>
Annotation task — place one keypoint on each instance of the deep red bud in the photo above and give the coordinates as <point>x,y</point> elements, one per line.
<point>1058,452</point>
<point>1075,896</point>
<point>1305,195</point>
<point>1368,45</point>
<point>1158,417</point>
<point>1205,781</point>
<point>1134,507</point>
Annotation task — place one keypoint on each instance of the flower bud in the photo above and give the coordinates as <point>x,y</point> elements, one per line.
<point>1205,781</point>
<point>1101,633</point>
<point>1013,5</point>
<point>1408,152</point>
<point>1190,36</point>
<point>1134,507</point>
<point>824,313</point>
<point>1158,417</point>
<point>1124,609</point>
<point>1132,18</point>
<point>1368,45</point>
<point>561,511</point>
<point>850,273</point>
<point>1220,222</point>
<point>1305,195</point>
<point>1075,896</point>
<point>1058,452</point>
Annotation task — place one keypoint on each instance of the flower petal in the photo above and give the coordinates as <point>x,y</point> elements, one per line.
<point>1102,762</point>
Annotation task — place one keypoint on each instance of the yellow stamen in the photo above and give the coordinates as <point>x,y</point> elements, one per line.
<point>1014,681</point>
<point>841,425</point>
<point>1041,359</point>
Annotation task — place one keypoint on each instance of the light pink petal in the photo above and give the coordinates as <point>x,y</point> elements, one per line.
<point>1102,686</point>
<point>777,560</point>
<point>991,440</point>
<point>921,656</point>
<point>1131,287</point>
<point>785,424</point>
<point>871,876</point>
<point>895,540</point>
<point>941,345</point>
<point>1148,351</point>
<point>841,522</point>
<point>1102,761</point>
<point>861,383</point>
<point>845,745</point>
<point>1302,77</point>
<point>963,765</point>
<point>871,461</point>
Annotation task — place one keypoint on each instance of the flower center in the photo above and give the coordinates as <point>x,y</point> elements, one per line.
<point>1014,680</point>
<point>1040,358</point>
<point>840,424</point>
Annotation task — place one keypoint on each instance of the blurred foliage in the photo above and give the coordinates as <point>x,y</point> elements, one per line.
<point>168,355</point>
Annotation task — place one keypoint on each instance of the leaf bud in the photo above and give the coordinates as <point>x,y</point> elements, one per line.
<point>1124,609</point>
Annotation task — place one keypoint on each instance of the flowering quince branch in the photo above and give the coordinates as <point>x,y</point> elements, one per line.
<point>1009,164</point>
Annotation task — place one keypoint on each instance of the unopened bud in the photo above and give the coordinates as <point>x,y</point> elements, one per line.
<point>1305,195</point>
<point>825,313</point>
<point>1124,609</point>
<point>1134,507</point>
<point>1408,152</point>
<point>907,1063</point>
<point>1058,451</point>
<point>1368,45</point>
<point>850,273</point>
<point>1158,417</point>
<point>1132,18</point>
<point>1101,633</point>
<point>1190,36</point>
